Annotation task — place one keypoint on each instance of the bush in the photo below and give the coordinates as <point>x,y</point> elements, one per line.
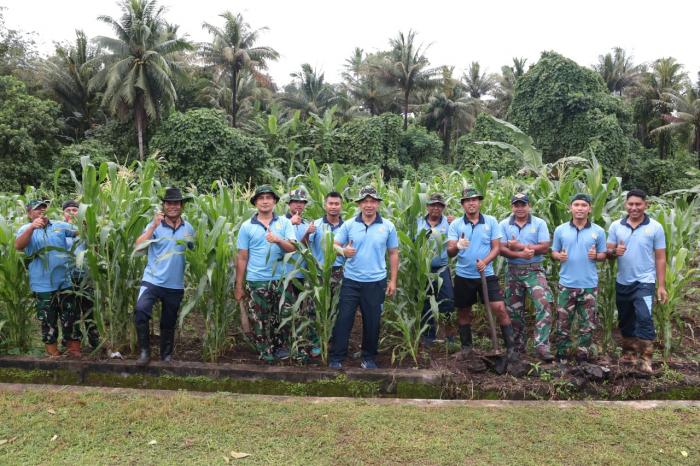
<point>469,156</point>
<point>418,146</point>
<point>200,148</point>
<point>658,176</point>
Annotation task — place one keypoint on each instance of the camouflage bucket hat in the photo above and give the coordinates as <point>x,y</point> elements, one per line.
<point>470,193</point>
<point>368,191</point>
<point>264,189</point>
<point>436,198</point>
<point>35,203</point>
<point>298,195</point>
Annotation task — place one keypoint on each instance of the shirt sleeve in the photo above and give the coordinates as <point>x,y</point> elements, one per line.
<point>453,231</point>
<point>600,242</point>
<point>556,243</point>
<point>341,235</point>
<point>612,234</point>
<point>660,238</point>
<point>504,231</point>
<point>243,241</point>
<point>496,232</point>
<point>392,241</point>
<point>289,233</point>
<point>542,232</point>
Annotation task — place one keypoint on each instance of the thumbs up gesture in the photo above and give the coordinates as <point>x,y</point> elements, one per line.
<point>592,254</point>
<point>271,237</point>
<point>528,252</point>
<point>513,244</point>
<point>563,256</point>
<point>462,243</point>
<point>620,249</point>
<point>296,219</point>
<point>349,250</point>
<point>312,229</point>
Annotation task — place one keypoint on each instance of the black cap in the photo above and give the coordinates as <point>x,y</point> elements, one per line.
<point>581,197</point>
<point>70,203</point>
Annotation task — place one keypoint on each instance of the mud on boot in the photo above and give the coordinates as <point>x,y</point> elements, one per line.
<point>630,349</point>
<point>144,341</point>
<point>647,349</point>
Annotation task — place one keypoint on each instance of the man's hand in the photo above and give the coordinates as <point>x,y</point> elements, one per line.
<point>271,237</point>
<point>514,245</point>
<point>528,252</point>
<point>662,295</point>
<point>450,218</point>
<point>39,223</point>
<point>462,243</point>
<point>312,229</point>
<point>620,249</point>
<point>561,256</point>
<point>481,265</point>
<point>349,251</point>
<point>239,294</point>
<point>390,288</point>
<point>157,219</point>
<point>296,219</point>
<point>592,254</point>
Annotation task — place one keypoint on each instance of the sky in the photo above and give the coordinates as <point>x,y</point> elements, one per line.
<point>325,33</point>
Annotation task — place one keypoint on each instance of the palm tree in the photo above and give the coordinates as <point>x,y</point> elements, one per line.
<point>67,75</point>
<point>233,50</point>
<point>406,68</point>
<point>666,76</point>
<point>617,70</point>
<point>363,84</point>
<point>309,93</point>
<point>478,83</point>
<point>685,117</point>
<point>503,92</point>
<point>451,111</point>
<point>137,73</point>
<point>250,90</point>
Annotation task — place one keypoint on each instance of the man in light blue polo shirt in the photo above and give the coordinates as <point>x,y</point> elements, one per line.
<point>435,225</point>
<point>639,244</point>
<point>45,242</point>
<point>262,242</point>
<point>328,225</point>
<point>164,277</point>
<point>475,239</point>
<point>364,241</point>
<point>525,242</point>
<point>578,245</point>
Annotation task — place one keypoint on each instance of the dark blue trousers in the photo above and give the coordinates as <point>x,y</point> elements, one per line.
<point>370,297</point>
<point>148,295</point>
<point>634,304</point>
<point>445,297</point>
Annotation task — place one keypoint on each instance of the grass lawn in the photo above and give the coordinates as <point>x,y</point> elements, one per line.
<point>94,427</point>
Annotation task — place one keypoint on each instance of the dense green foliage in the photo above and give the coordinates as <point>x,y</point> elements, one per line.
<point>470,156</point>
<point>200,148</point>
<point>29,127</point>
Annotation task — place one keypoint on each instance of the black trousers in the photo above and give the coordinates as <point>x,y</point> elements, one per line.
<point>149,295</point>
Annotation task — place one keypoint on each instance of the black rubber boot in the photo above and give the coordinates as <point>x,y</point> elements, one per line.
<point>144,340</point>
<point>465,336</point>
<point>167,340</point>
<point>509,341</point>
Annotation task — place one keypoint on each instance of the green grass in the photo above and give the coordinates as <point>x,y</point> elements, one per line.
<point>96,427</point>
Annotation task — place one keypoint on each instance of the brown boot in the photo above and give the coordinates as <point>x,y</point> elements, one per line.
<point>73,349</point>
<point>52,350</point>
<point>630,348</point>
<point>647,350</point>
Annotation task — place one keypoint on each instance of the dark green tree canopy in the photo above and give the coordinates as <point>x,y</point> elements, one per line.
<point>200,148</point>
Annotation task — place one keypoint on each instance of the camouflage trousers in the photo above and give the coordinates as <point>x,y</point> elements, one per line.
<point>266,312</point>
<point>521,281</point>
<point>84,302</point>
<point>575,304</point>
<point>52,306</point>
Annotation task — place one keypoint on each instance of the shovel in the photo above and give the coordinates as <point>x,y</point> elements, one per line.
<point>495,359</point>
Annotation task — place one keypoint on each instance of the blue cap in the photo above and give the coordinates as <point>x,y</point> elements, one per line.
<point>520,197</point>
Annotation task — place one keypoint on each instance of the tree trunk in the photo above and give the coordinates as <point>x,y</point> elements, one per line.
<point>697,143</point>
<point>405,111</point>
<point>234,96</point>
<point>138,115</point>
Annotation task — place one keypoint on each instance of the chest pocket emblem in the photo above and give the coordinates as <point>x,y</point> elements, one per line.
<point>647,231</point>
<point>381,229</point>
<point>532,229</point>
<point>594,236</point>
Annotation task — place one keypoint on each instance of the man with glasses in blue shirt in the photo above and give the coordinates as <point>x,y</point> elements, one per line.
<point>164,276</point>
<point>578,245</point>
<point>364,241</point>
<point>639,244</point>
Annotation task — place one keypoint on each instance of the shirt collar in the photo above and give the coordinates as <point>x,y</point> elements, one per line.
<point>587,225</point>
<point>165,224</point>
<point>481,219</point>
<point>644,222</point>
<point>512,219</point>
<point>324,219</point>
<point>442,219</point>
<point>254,220</point>
<point>377,219</point>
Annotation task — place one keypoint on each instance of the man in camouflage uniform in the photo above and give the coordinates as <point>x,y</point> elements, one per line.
<point>83,291</point>
<point>525,242</point>
<point>578,244</point>
<point>45,242</point>
<point>262,242</point>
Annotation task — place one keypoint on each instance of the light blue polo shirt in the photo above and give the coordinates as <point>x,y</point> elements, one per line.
<point>316,239</point>
<point>371,242</point>
<point>166,255</point>
<point>638,263</point>
<point>77,247</point>
<point>299,232</point>
<point>578,271</point>
<point>480,235</point>
<point>533,232</point>
<point>50,269</point>
<point>438,236</point>
<point>264,258</point>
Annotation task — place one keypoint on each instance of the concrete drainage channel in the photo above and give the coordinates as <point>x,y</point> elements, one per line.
<point>309,381</point>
